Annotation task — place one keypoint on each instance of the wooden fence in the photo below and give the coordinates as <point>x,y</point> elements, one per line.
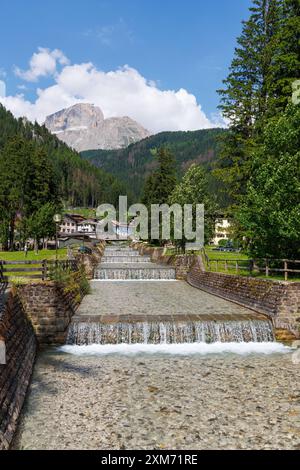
<point>265,267</point>
<point>33,269</point>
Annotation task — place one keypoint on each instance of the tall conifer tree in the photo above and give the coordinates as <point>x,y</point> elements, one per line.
<point>244,97</point>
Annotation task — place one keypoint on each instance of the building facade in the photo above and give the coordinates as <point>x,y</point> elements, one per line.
<point>222,231</point>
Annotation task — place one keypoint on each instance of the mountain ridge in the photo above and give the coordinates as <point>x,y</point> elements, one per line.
<point>83,127</point>
<point>133,164</point>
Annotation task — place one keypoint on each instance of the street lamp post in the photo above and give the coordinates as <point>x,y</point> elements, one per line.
<point>57,221</point>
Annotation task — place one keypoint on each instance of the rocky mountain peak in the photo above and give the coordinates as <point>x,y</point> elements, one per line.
<point>83,127</point>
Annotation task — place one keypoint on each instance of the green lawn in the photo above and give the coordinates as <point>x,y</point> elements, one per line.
<point>32,256</point>
<point>85,212</point>
<point>19,276</point>
<point>242,263</point>
<point>227,264</point>
<point>222,255</point>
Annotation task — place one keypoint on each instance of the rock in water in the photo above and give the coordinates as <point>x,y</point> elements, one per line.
<point>83,127</point>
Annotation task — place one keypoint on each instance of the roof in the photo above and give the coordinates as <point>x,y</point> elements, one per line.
<point>75,217</point>
<point>88,221</point>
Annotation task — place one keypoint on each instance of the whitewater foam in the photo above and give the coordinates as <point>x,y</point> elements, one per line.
<point>190,349</point>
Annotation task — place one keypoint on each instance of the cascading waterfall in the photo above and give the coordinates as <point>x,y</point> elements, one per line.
<point>134,273</point>
<point>120,252</point>
<point>123,263</point>
<point>86,333</point>
<point>125,259</point>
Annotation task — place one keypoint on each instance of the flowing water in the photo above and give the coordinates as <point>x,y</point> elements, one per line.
<point>123,263</point>
<point>81,333</point>
<point>157,365</point>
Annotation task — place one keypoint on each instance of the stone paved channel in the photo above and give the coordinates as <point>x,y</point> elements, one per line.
<point>144,402</point>
<point>156,298</point>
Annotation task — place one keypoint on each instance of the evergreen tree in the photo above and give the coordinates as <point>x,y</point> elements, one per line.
<point>26,184</point>
<point>40,224</point>
<point>244,98</point>
<point>284,68</point>
<point>14,183</point>
<point>269,215</point>
<point>161,183</point>
<point>79,183</point>
<point>193,189</point>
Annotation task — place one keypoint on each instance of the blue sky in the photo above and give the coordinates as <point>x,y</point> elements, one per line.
<point>176,44</point>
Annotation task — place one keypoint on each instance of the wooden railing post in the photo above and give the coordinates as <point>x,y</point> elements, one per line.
<point>286,274</point>
<point>44,270</point>
<point>251,266</point>
<point>237,267</point>
<point>267,268</point>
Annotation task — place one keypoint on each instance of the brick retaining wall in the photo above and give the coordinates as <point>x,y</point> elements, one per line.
<point>18,336</point>
<point>278,300</point>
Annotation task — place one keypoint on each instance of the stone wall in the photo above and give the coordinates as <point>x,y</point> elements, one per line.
<point>278,300</point>
<point>181,263</point>
<point>90,262</point>
<point>50,308</point>
<point>17,334</point>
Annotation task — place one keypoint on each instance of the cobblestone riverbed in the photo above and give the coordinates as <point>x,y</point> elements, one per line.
<point>162,402</point>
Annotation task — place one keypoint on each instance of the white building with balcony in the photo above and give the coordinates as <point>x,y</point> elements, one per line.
<point>222,231</point>
<point>87,226</point>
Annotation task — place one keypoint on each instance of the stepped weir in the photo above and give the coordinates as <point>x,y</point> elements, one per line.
<point>123,263</point>
<point>128,309</point>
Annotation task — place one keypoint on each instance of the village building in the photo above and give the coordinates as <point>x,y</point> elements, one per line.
<point>222,231</point>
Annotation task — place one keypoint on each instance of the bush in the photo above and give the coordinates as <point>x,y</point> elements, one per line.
<point>74,282</point>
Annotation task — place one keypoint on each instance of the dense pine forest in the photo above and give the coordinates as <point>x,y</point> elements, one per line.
<point>260,159</point>
<point>135,163</point>
<point>39,175</point>
<point>257,160</point>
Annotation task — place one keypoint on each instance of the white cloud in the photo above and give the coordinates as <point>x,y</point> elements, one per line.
<point>42,64</point>
<point>123,92</point>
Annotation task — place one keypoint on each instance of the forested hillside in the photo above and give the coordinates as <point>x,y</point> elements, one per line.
<point>39,175</point>
<point>133,164</point>
<point>79,183</point>
<point>260,159</point>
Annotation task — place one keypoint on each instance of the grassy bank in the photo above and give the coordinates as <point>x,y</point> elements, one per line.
<point>32,255</point>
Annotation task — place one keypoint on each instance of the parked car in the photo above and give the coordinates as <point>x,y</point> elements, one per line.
<point>84,250</point>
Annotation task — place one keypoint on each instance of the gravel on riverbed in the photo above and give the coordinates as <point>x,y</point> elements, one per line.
<point>162,402</point>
